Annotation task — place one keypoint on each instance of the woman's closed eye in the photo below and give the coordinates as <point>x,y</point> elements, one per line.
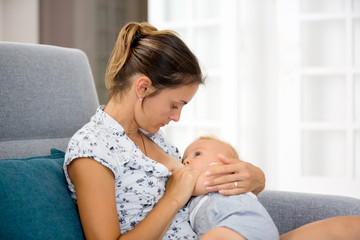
<point>175,106</point>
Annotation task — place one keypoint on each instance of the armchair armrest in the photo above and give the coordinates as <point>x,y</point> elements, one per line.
<point>291,210</point>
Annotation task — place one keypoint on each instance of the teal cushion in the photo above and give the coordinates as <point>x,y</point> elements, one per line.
<point>34,200</point>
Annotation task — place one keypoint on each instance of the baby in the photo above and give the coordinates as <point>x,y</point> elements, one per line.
<point>215,216</point>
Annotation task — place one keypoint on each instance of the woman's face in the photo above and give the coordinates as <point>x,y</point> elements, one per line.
<point>164,107</point>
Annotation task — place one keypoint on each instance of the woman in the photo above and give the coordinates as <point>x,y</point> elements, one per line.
<point>119,167</point>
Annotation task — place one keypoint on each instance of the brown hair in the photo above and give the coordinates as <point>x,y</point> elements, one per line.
<point>160,55</point>
<point>231,152</point>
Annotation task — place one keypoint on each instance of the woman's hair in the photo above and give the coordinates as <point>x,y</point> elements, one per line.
<point>160,55</point>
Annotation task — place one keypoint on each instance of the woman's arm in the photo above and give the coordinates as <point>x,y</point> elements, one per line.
<point>222,177</point>
<point>95,191</point>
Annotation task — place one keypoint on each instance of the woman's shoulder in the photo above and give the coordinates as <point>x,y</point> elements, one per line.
<point>93,136</point>
<point>101,127</point>
<point>100,144</point>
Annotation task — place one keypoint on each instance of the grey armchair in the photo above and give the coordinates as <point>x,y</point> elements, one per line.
<point>46,94</point>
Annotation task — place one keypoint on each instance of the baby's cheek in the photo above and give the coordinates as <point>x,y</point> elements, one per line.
<point>198,165</point>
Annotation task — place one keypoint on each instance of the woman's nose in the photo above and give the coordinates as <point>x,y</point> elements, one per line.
<point>175,116</point>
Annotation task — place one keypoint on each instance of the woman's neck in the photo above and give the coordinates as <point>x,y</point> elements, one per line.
<point>123,112</point>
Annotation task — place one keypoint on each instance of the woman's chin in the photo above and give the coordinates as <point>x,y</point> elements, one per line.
<point>153,130</point>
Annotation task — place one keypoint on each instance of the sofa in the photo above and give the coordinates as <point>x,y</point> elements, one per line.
<point>46,94</point>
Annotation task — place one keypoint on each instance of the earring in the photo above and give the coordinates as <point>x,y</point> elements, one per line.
<point>140,99</point>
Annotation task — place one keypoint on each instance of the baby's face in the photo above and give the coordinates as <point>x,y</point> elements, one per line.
<point>199,154</point>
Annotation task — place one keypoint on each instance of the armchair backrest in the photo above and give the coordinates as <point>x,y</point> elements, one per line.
<point>46,94</point>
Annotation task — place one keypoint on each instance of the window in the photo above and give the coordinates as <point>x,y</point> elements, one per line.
<point>283,85</point>
<point>319,96</point>
<point>204,26</point>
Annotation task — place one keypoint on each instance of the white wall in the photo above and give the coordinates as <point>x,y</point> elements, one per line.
<point>19,20</point>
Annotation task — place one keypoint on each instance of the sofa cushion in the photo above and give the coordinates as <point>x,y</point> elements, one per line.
<point>47,93</point>
<point>34,200</point>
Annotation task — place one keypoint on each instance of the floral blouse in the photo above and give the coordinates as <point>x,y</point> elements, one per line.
<point>139,180</point>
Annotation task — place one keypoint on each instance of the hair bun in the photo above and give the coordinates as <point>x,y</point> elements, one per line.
<point>141,30</point>
<point>146,28</point>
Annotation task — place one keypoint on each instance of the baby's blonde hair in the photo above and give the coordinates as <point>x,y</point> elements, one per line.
<point>231,151</point>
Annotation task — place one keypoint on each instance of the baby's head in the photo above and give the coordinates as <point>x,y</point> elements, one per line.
<point>204,151</point>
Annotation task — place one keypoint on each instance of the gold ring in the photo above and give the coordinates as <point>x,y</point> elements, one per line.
<point>236,184</point>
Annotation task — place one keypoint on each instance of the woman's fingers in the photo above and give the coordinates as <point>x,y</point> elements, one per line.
<point>229,166</point>
<point>222,177</point>
<point>226,160</point>
<point>227,187</point>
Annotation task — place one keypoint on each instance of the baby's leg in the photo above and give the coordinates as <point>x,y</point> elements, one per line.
<point>336,228</point>
<point>222,233</point>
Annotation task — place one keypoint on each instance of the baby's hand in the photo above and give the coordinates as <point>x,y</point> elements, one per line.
<point>181,185</point>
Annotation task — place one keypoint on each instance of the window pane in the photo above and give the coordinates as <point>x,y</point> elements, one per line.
<point>324,153</point>
<point>183,35</point>
<point>206,9</point>
<point>357,98</point>
<point>310,6</point>
<point>183,136</point>
<point>324,98</point>
<point>357,153</point>
<point>207,46</point>
<point>357,43</point>
<point>323,43</point>
<point>356,5</point>
<point>176,10</point>
<point>208,103</point>
<point>179,136</point>
<point>208,132</point>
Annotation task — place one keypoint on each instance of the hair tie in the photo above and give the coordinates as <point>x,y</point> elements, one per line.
<point>137,37</point>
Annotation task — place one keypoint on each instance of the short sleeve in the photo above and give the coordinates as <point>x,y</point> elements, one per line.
<point>91,148</point>
<point>87,144</point>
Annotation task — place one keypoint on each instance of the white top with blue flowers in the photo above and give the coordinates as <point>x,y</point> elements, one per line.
<point>139,181</point>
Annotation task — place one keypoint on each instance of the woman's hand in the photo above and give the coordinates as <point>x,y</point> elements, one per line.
<point>180,185</point>
<point>234,177</point>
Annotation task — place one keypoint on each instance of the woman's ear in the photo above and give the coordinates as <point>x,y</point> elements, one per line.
<point>142,86</point>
